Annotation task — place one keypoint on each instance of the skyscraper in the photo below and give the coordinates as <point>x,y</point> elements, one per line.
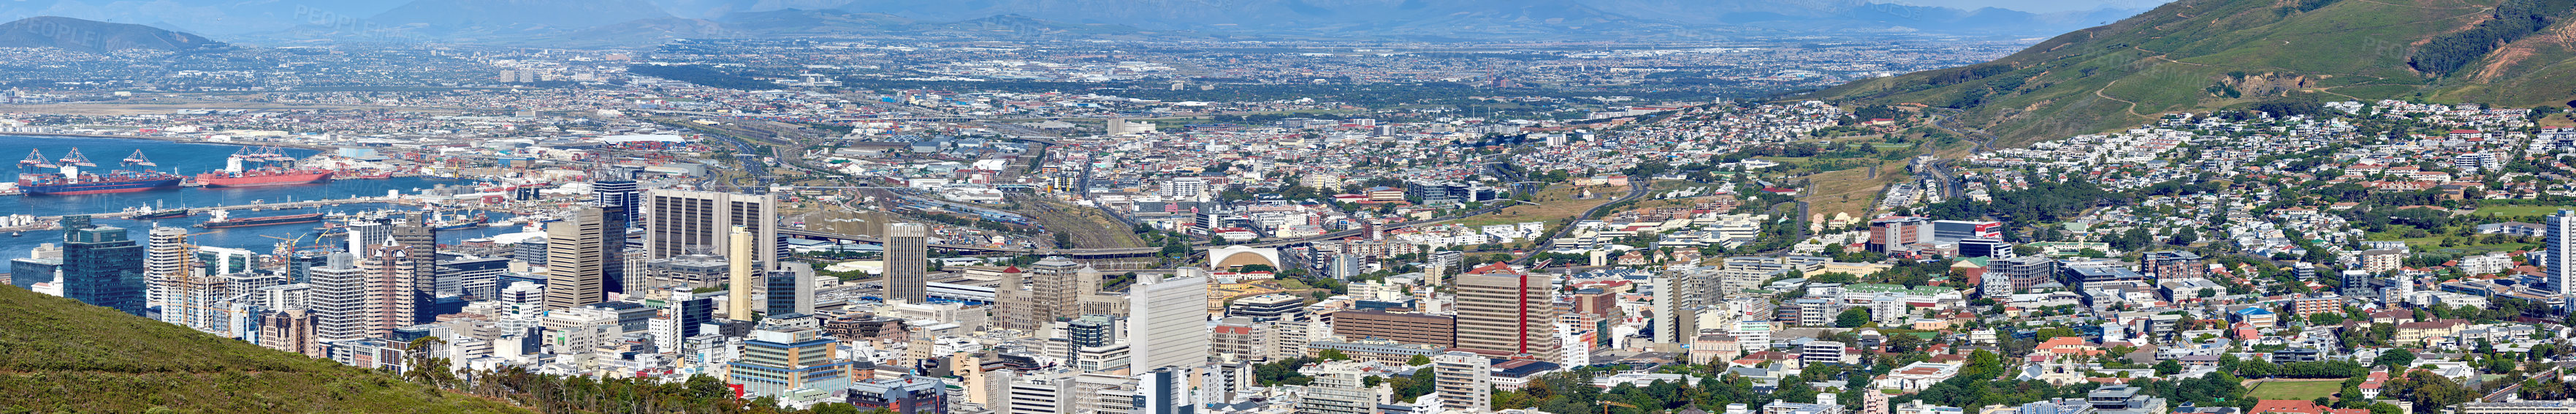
<point>186,296</point>
<point>791,289</point>
<point>2560,254</point>
<point>419,267</point>
<point>907,257</point>
<point>738,295</point>
<point>619,193</point>
<point>619,204</point>
<point>101,266</point>
<point>1012,303</point>
<point>1505,312</point>
<point>1464,381</point>
<point>167,260</point>
<point>1055,287</point>
<point>680,222</point>
<point>1167,320</point>
<point>338,300</point>
<point>1164,390</point>
<point>576,250</point>
<point>389,292</point>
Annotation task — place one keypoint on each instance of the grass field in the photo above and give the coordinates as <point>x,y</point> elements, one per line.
<point>1850,191</point>
<point>2298,390</point>
<point>1555,202</point>
<point>2518,210</point>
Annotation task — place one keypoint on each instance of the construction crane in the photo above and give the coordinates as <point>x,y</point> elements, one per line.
<point>1605,405</point>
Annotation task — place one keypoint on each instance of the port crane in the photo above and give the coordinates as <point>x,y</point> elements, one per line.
<point>75,158</point>
<point>35,159</point>
<point>138,159</point>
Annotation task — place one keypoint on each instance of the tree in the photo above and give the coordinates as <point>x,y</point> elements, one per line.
<point>1418,360</point>
<point>1335,355</point>
<point>2168,367</point>
<point>2395,358</point>
<point>1852,318</point>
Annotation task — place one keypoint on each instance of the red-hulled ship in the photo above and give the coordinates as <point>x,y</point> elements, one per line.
<point>265,177</point>
<point>235,175</point>
<point>70,181</point>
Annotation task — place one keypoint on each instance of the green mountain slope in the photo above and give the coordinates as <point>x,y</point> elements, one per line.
<point>2204,54</point>
<point>60,355</point>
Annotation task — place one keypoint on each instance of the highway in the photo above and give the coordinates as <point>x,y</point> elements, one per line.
<point>1635,190</point>
<point>1946,168</point>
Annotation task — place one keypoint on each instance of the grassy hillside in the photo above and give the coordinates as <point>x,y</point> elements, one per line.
<point>60,355</point>
<point>2204,54</point>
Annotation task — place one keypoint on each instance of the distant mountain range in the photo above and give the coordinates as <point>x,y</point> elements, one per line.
<point>94,36</point>
<point>600,22</point>
<point>2196,55</point>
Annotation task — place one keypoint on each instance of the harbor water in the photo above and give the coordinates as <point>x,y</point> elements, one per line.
<point>190,159</point>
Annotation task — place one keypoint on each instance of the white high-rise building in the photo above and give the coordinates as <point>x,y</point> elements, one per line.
<point>339,299</point>
<point>168,260</point>
<point>1464,381</point>
<point>1167,320</point>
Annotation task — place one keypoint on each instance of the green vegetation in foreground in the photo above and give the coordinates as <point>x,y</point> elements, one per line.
<point>2295,390</point>
<point>60,355</point>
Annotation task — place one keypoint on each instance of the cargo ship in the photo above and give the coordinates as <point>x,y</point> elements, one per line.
<point>70,181</point>
<point>163,214</point>
<point>264,177</point>
<point>238,172</point>
<point>224,219</point>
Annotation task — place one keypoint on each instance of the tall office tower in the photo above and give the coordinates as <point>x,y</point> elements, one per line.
<point>791,289</point>
<point>2560,254</point>
<point>1504,312</point>
<point>691,310</point>
<point>619,193</point>
<point>1167,320</point>
<point>364,234</point>
<point>167,259</point>
<point>101,266</point>
<point>614,223</point>
<point>1464,381</point>
<point>907,257</point>
<point>1679,293</point>
<point>1164,390</point>
<point>390,301</point>
<point>576,250</point>
<point>339,299</point>
<point>1055,289</point>
<point>1012,303</point>
<point>419,267</point>
<point>679,222</point>
<point>1338,389</point>
<point>738,297</point>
